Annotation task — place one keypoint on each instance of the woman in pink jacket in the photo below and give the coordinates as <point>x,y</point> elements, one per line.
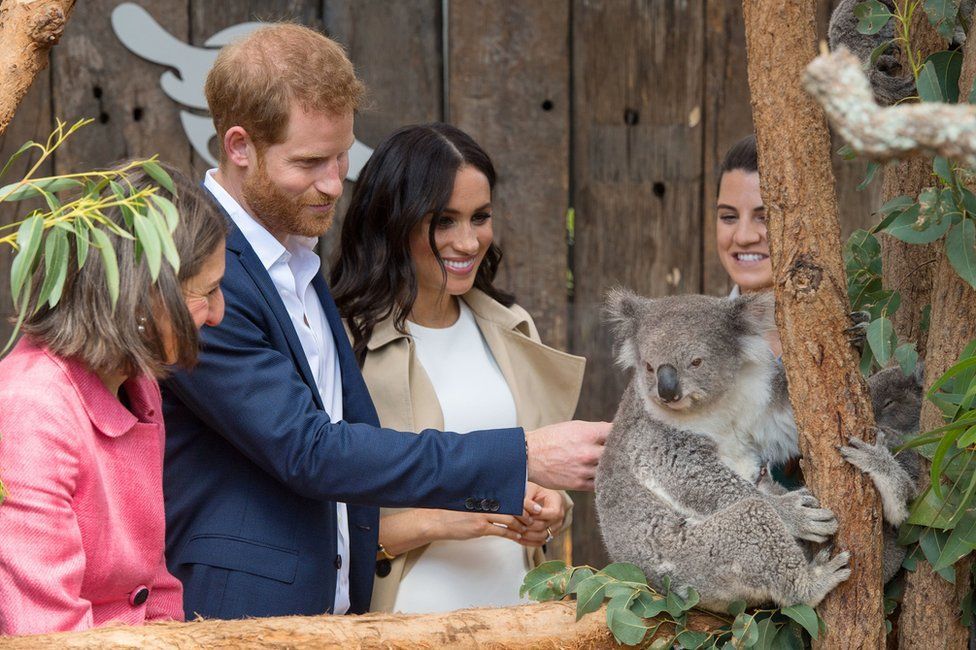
<point>81,434</point>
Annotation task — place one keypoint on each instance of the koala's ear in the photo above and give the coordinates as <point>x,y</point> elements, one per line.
<point>755,313</point>
<point>623,309</point>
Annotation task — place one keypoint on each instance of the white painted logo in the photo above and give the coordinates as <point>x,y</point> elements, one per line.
<point>144,37</point>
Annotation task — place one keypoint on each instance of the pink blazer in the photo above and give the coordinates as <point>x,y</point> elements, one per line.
<point>82,526</point>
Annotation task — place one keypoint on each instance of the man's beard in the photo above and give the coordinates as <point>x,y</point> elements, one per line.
<point>282,214</point>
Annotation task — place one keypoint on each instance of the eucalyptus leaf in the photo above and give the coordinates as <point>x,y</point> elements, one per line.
<point>872,16</point>
<point>589,595</point>
<point>869,175</point>
<point>81,242</point>
<point>626,572</point>
<point>169,210</point>
<point>947,443</point>
<point>961,250</point>
<point>579,575</point>
<point>947,65</point>
<point>626,626</point>
<point>745,629</point>
<point>767,632</point>
<point>541,575</point>
<point>929,89</point>
<point>896,203</point>
<point>805,616</point>
<point>881,337</point>
<point>649,606</point>
<point>788,638</point>
<point>908,228</point>
<point>932,543</point>
<point>30,144</point>
<point>943,169</point>
<point>165,239</point>
<point>907,357</point>
<point>691,639</point>
<point>29,237</point>
<point>959,543</point>
<point>149,239</point>
<point>942,14</point>
<point>55,267</point>
<point>104,245</point>
<point>21,190</point>
<point>158,174</point>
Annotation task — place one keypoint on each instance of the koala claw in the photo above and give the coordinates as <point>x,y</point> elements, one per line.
<point>826,573</point>
<point>803,517</point>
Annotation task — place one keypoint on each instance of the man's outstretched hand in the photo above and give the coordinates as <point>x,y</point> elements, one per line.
<point>564,456</point>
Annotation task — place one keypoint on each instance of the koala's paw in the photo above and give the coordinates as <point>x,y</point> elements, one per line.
<point>857,333</point>
<point>825,573</point>
<point>803,517</point>
<point>895,485</point>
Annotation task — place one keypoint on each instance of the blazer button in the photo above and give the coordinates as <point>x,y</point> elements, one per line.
<point>486,505</point>
<point>139,595</point>
<point>470,503</point>
<point>338,562</point>
<point>495,505</point>
<point>383,568</point>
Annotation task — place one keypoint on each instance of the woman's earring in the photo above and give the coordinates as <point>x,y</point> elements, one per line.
<point>142,325</point>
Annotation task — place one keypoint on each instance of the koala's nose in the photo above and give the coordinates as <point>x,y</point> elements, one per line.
<point>667,383</point>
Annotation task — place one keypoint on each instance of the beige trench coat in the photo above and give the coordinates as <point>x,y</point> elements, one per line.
<point>545,384</point>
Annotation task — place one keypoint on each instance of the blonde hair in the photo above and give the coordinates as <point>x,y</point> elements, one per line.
<point>255,81</point>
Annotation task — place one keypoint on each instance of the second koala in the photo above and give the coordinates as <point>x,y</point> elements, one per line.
<point>676,488</point>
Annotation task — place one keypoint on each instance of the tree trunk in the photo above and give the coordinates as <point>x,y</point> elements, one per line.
<point>542,626</point>
<point>28,31</point>
<point>908,268</point>
<point>829,395</point>
<point>930,608</point>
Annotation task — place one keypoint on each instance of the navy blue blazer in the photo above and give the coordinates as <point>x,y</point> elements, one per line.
<point>254,466</point>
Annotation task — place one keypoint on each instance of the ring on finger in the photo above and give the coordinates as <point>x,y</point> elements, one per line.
<point>549,537</point>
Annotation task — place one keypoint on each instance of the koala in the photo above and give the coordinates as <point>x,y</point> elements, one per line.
<point>897,403</point>
<point>889,81</point>
<point>676,488</point>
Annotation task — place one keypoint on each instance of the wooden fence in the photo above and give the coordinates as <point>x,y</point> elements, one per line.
<point>620,109</point>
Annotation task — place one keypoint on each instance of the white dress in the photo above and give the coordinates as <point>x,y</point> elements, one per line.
<point>473,395</point>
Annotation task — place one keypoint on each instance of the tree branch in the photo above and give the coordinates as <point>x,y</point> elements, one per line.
<point>28,31</point>
<point>838,83</point>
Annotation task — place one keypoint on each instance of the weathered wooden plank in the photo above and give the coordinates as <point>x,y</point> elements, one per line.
<point>96,76</point>
<point>637,79</point>
<point>726,119</point>
<point>509,89</point>
<point>396,48</point>
<point>31,122</point>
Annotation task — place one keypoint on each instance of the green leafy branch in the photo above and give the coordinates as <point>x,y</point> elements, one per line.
<point>637,613</point>
<point>941,527</point>
<point>73,209</point>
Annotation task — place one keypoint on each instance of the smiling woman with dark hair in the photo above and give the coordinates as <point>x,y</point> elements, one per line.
<point>442,347</point>
<point>82,529</point>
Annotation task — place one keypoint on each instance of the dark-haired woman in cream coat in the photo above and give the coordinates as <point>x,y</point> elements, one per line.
<point>442,348</point>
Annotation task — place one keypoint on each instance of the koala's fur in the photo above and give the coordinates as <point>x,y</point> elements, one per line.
<point>676,488</point>
<point>889,81</point>
<point>897,403</point>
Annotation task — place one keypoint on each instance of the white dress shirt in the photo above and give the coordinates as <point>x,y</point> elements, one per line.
<point>292,266</point>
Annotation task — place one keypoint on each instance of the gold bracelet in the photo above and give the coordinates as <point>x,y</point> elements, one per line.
<point>380,550</point>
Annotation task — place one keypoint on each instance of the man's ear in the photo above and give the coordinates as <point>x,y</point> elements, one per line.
<point>237,146</point>
<point>623,309</point>
<point>755,313</point>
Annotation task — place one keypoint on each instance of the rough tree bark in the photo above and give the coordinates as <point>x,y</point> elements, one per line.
<point>930,607</point>
<point>28,31</point>
<point>908,267</point>
<point>544,626</point>
<point>829,396</point>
